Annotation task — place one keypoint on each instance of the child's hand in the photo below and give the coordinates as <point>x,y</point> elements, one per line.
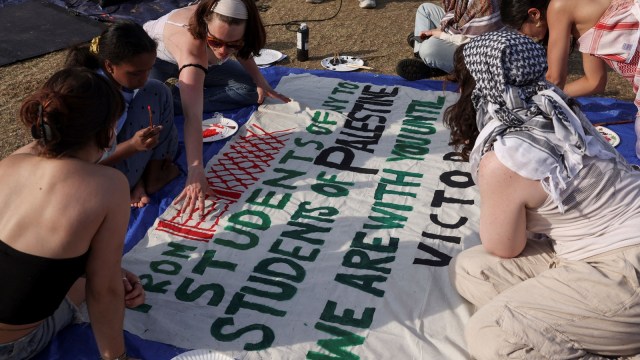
<point>146,139</point>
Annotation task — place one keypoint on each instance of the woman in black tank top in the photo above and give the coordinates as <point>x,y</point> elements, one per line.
<point>63,220</point>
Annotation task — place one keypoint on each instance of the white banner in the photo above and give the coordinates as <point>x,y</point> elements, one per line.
<point>333,221</point>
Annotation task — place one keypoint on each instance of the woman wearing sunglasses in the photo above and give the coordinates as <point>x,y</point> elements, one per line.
<point>195,44</point>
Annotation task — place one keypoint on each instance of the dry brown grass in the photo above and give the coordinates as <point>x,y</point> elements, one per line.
<point>376,35</point>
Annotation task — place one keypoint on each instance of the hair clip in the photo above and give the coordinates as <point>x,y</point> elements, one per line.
<point>41,132</point>
<point>45,129</point>
<point>34,132</point>
<point>95,45</point>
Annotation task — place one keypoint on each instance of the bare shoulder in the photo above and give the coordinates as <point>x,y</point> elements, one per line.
<point>583,13</point>
<point>496,178</point>
<point>109,181</point>
<point>562,10</point>
<point>77,179</point>
<point>491,168</point>
<point>563,4</point>
<point>179,41</point>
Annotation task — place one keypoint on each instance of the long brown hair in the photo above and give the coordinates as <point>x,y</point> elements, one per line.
<point>460,117</point>
<point>254,36</point>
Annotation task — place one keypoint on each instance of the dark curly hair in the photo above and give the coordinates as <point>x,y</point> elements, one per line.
<point>74,108</point>
<point>460,117</point>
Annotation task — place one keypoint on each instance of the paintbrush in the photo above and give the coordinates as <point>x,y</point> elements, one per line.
<point>150,116</point>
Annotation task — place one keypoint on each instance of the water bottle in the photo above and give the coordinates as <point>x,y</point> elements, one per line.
<point>302,48</point>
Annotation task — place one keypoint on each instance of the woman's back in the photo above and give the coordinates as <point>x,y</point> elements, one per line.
<point>54,207</point>
<point>63,217</point>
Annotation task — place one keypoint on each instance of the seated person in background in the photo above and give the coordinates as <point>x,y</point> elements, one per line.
<point>441,30</point>
<point>195,44</point>
<point>557,274</point>
<point>147,137</point>
<point>607,32</point>
<point>64,217</point>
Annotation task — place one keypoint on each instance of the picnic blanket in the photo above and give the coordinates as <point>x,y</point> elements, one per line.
<point>328,234</point>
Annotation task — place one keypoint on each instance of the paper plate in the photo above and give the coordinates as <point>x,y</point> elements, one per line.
<point>609,135</point>
<point>215,129</point>
<point>342,67</point>
<point>268,57</point>
<point>202,354</point>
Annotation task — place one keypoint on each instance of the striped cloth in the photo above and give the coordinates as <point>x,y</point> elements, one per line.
<point>524,118</point>
<point>615,39</point>
<point>470,18</point>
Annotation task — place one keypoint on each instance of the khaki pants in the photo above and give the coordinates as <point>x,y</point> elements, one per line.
<point>537,306</point>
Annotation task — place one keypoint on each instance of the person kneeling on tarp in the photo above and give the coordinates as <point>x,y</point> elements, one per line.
<point>556,276</point>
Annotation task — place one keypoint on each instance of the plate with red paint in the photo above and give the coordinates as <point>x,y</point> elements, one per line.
<point>218,128</point>
<point>609,135</point>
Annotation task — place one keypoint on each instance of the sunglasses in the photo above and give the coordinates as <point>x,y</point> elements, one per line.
<point>216,43</point>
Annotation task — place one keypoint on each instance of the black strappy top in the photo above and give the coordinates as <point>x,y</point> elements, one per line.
<point>32,286</point>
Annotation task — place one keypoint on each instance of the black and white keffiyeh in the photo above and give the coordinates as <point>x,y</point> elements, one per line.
<point>524,117</point>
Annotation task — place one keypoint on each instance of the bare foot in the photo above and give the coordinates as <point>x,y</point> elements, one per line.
<point>139,197</point>
<point>158,174</point>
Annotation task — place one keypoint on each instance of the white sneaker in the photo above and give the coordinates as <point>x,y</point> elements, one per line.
<point>367,4</point>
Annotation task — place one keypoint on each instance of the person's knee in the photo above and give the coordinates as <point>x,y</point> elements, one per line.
<point>460,276</point>
<point>462,267</point>
<point>242,93</point>
<point>482,334</point>
<point>467,276</point>
<point>430,11</point>
<point>158,87</point>
<point>434,54</point>
<point>454,272</point>
<point>234,95</point>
